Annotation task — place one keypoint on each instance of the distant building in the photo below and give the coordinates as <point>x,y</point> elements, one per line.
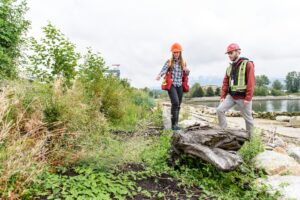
<point>115,71</point>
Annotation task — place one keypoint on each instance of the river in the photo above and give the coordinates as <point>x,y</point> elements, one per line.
<point>267,105</point>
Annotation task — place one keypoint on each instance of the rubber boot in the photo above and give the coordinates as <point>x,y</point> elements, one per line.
<point>172,120</point>
<point>176,116</point>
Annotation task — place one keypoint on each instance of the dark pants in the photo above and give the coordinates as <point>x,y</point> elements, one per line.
<point>175,94</point>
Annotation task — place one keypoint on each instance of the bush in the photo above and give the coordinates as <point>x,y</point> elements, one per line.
<point>44,126</point>
<point>261,91</point>
<point>275,92</point>
<point>252,148</point>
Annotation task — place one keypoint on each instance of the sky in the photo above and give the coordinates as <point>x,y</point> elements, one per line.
<point>138,34</point>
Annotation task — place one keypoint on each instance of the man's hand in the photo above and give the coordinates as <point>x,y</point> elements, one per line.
<point>158,77</point>
<point>222,99</point>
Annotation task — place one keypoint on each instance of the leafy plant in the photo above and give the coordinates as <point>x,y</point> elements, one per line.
<point>53,57</point>
<point>13,26</point>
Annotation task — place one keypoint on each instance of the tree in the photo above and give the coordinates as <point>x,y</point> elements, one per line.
<point>277,88</point>
<point>93,67</point>
<point>292,81</point>
<point>201,92</point>
<point>196,91</point>
<point>277,92</point>
<point>210,92</point>
<point>218,91</point>
<point>261,91</point>
<point>277,85</point>
<point>262,80</point>
<point>54,56</point>
<point>13,26</point>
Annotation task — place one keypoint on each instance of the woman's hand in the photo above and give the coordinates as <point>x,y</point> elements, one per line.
<point>158,77</point>
<point>187,70</point>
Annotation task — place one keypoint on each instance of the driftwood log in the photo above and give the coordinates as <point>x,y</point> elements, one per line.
<point>211,144</point>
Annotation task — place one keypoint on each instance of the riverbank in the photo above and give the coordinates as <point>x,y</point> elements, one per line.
<point>264,120</point>
<point>260,98</point>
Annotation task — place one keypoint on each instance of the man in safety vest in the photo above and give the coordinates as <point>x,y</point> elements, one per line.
<point>238,87</point>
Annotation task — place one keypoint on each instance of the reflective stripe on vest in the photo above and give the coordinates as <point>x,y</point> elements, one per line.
<point>241,81</point>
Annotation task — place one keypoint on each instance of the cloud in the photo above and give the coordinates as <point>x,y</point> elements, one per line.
<point>138,34</point>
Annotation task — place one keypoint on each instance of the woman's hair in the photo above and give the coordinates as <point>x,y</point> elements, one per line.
<point>181,61</point>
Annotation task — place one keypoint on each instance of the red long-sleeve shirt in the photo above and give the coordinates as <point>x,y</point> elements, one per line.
<point>250,83</point>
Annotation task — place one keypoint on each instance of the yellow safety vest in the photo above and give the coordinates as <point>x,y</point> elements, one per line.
<point>241,84</point>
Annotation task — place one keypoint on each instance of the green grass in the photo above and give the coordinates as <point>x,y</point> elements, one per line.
<point>93,145</point>
<point>100,170</point>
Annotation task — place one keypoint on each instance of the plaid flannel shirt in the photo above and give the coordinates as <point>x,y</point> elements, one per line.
<point>176,73</point>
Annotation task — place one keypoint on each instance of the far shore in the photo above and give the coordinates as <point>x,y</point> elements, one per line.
<point>260,98</point>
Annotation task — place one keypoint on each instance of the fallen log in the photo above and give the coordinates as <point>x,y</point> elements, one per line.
<point>211,144</point>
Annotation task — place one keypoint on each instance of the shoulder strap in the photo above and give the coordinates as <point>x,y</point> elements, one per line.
<point>228,70</point>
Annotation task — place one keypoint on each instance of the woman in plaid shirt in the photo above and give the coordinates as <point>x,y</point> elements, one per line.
<point>177,66</point>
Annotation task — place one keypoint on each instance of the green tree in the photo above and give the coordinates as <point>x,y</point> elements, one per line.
<point>262,80</point>
<point>292,81</point>
<point>54,56</point>
<point>210,92</point>
<point>277,85</point>
<point>261,91</point>
<point>218,91</point>
<point>93,67</point>
<point>196,90</point>
<point>277,88</point>
<point>13,26</point>
<point>275,92</point>
<point>201,92</point>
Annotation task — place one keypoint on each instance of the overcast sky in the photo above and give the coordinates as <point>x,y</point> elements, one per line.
<point>137,34</point>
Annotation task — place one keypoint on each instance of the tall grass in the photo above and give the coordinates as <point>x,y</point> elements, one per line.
<point>46,125</point>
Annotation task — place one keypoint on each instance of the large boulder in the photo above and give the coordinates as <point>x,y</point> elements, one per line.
<point>287,185</point>
<point>295,122</point>
<point>211,144</point>
<point>283,118</point>
<point>275,163</point>
<point>295,153</point>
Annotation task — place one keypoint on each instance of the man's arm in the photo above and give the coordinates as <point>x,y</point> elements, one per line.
<point>250,81</point>
<point>225,87</point>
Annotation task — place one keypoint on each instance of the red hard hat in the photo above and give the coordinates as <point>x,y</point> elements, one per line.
<point>233,47</point>
<point>176,47</point>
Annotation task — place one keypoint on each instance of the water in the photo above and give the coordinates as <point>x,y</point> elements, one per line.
<point>267,105</point>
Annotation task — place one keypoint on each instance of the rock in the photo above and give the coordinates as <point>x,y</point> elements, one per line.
<point>283,118</point>
<point>210,144</point>
<point>276,163</point>
<point>278,142</point>
<point>191,122</point>
<point>166,116</point>
<point>268,148</point>
<point>287,185</point>
<point>280,150</point>
<point>295,122</point>
<point>295,153</point>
